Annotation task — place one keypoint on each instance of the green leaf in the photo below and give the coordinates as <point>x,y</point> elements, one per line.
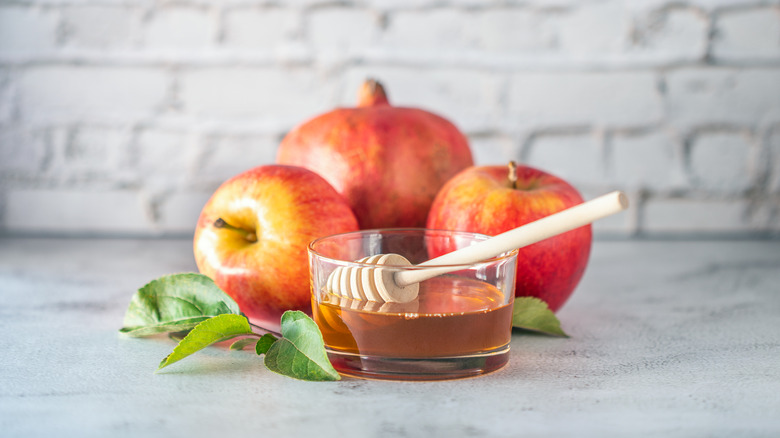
<point>175,303</point>
<point>531,313</point>
<point>210,331</point>
<point>178,336</point>
<point>301,352</point>
<point>243,343</point>
<point>264,343</point>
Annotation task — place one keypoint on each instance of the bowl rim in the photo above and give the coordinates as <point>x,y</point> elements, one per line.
<point>411,230</point>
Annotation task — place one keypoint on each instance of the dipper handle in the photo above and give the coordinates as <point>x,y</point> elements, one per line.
<point>566,220</point>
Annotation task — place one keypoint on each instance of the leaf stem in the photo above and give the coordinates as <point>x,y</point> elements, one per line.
<point>263,329</point>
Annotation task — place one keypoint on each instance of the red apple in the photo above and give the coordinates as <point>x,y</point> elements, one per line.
<point>491,200</point>
<point>252,235</point>
<point>388,162</point>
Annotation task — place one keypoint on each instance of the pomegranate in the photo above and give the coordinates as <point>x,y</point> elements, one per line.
<point>388,162</point>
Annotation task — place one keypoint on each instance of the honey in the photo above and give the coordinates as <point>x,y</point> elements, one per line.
<point>452,317</point>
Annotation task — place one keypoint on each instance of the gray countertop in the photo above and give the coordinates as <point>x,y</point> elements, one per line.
<point>667,338</point>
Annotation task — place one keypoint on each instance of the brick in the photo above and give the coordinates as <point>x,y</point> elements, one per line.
<point>695,216</point>
<point>77,93</point>
<point>577,158</point>
<point>723,162</point>
<point>27,29</point>
<point>671,34</point>
<point>259,29</point>
<point>514,30</point>
<point>181,28</point>
<point>297,3</point>
<point>179,212</point>
<point>493,150</point>
<point>264,95</point>
<point>339,29</point>
<point>229,155</point>
<point>435,29</point>
<point>164,156</point>
<point>469,99</point>
<point>595,28</point>
<point>722,95</point>
<point>407,4</point>
<point>92,149</point>
<point>646,161</point>
<point>7,97</point>
<point>65,154</point>
<point>773,145</point>
<point>608,98</point>
<point>22,150</point>
<point>747,34</point>
<point>75,211</point>
<point>101,27</point>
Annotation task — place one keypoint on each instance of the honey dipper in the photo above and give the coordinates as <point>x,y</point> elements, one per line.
<point>380,284</point>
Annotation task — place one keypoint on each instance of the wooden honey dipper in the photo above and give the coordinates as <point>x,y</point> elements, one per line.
<point>389,284</point>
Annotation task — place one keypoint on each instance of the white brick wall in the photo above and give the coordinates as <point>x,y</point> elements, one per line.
<point>180,28</point>
<point>646,160</point>
<point>468,98</point>
<point>260,28</point>
<point>228,155</point>
<point>697,216</point>
<point>87,93</point>
<point>244,93</point>
<point>677,34</point>
<point>748,34</point>
<point>591,98</point>
<point>583,164</point>
<point>80,211</point>
<point>707,95</point>
<point>165,156</point>
<point>123,117</point>
<point>773,161</point>
<point>339,30</point>
<point>96,27</point>
<point>576,29</point>
<point>27,29</point>
<point>723,162</point>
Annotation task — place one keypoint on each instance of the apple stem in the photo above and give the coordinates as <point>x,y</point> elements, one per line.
<point>513,174</point>
<point>248,235</point>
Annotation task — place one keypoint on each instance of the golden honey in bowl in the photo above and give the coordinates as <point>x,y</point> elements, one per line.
<point>452,317</point>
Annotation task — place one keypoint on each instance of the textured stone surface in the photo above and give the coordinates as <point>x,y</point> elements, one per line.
<point>667,339</point>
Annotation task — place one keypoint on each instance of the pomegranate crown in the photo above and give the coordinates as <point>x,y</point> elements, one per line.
<point>372,93</point>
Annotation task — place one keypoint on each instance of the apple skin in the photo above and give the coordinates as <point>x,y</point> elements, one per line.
<point>483,200</point>
<point>388,162</point>
<point>285,207</point>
